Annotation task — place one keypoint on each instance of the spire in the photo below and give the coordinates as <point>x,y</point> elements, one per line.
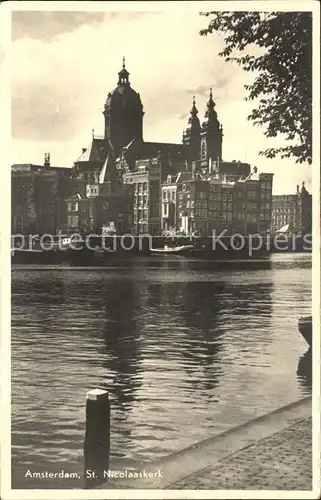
<point>194,110</point>
<point>123,75</point>
<point>210,106</point>
<point>193,119</point>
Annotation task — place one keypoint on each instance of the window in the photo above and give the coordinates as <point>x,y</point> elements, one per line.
<point>184,187</point>
<point>197,213</point>
<point>140,187</point>
<point>211,196</point>
<point>267,205</point>
<point>248,218</point>
<point>145,186</point>
<point>204,204</point>
<point>224,205</point>
<point>105,205</point>
<point>192,204</point>
<point>73,207</point>
<point>73,220</point>
<point>204,213</point>
<point>262,194</point>
<point>229,216</point>
<point>224,216</point>
<point>145,214</point>
<point>253,217</point>
<point>165,209</point>
<point>202,195</point>
<point>229,206</point>
<point>240,194</point>
<point>180,196</point>
<point>230,197</point>
<point>188,204</point>
<point>164,194</point>
<point>224,197</point>
<point>219,196</point>
<point>198,204</point>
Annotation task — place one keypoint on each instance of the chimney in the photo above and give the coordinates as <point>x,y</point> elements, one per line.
<point>84,150</point>
<point>47,160</point>
<point>297,188</point>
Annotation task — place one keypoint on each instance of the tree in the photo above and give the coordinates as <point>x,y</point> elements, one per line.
<point>283,81</point>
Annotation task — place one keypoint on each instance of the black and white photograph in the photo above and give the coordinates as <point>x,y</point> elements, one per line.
<point>161,286</point>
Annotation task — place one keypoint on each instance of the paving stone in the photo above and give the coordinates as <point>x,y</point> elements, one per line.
<point>282,461</point>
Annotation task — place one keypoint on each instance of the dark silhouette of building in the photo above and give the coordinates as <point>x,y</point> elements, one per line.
<point>38,194</point>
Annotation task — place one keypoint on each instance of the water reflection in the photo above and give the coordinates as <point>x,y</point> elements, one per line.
<point>304,371</point>
<point>186,349</point>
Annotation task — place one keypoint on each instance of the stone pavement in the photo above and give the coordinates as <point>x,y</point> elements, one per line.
<point>272,452</point>
<point>282,461</point>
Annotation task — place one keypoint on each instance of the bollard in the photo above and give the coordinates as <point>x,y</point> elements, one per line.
<point>97,437</point>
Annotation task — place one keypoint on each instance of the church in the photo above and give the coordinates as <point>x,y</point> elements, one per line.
<point>117,179</point>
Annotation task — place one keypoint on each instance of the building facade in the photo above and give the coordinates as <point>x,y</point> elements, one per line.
<point>38,194</point>
<point>194,203</point>
<point>293,212</point>
<point>125,184</point>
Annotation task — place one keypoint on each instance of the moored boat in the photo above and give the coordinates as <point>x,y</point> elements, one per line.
<point>172,250</point>
<point>305,328</point>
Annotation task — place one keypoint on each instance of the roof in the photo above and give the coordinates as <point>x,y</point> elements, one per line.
<point>103,176</point>
<point>25,167</point>
<point>284,229</point>
<point>149,149</point>
<point>95,151</point>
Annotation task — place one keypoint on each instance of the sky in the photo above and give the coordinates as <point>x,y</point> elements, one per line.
<point>65,63</point>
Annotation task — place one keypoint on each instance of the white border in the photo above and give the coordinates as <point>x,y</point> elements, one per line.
<point>5,149</point>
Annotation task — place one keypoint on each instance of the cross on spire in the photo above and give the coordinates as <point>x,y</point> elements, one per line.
<point>123,75</point>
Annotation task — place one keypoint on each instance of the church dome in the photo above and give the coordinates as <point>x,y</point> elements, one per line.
<point>123,114</point>
<point>123,93</point>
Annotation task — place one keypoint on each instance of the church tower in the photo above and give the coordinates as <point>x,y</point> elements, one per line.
<point>211,134</point>
<point>192,135</point>
<point>123,114</point>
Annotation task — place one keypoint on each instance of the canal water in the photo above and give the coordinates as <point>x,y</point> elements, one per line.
<point>186,348</point>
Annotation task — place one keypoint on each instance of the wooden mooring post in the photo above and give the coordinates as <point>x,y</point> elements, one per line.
<point>97,437</point>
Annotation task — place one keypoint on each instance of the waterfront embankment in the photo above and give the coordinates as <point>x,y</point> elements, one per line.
<point>272,452</point>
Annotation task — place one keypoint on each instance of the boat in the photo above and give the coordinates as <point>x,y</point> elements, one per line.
<point>172,250</point>
<point>305,328</point>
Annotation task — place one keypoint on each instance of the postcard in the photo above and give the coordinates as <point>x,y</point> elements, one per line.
<point>160,249</point>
